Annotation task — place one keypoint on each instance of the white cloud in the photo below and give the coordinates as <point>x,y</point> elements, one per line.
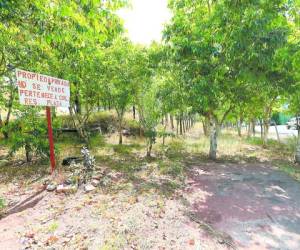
<point>145,20</point>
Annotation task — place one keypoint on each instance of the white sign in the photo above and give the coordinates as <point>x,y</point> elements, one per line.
<point>41,90</point>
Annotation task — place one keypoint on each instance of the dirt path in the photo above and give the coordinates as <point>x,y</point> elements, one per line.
<point>257,206</point>
<point>221,206</point>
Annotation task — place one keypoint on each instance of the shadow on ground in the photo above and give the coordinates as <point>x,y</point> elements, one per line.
<point>257,206</point>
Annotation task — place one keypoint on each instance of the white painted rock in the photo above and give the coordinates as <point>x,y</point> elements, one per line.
<point>60,188</point>
<point>51,187</point>
<point>89,188</point>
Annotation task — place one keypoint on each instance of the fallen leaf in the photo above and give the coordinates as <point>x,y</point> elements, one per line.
<point>51,240</point>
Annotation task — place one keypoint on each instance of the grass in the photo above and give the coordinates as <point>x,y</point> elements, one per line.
<point>53,227</point>
<point>170,158</point>
<point>26,173</point>
<point>2,206</point>
<point>291,169</point>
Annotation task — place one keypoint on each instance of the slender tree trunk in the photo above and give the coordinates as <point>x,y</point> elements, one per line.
<point>120,133</point>
<point>239,126</point>
<point>149,148</point>
<point>297,155</point>
<point>172,122</point>
<point>78,124</point>
<point>239,129</point>
<point>77,104</point>
<point>180,123</point>
<point>28,153</point>
<point>213,140</point>
<point>277,133</point>
<point>1,122</point>
<point>249,130</point>
<point>166,120</point>
<point>177,125</point>
<point>133,112</point>
<point>253,127</point>
<point>261,129</point>
<point>265,132</point>
<point>9,107</point>
<point>206,127</point>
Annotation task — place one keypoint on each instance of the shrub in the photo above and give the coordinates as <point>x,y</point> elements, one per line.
<point>29,132</point>
<point>175,148</point>
<point>104,119</point>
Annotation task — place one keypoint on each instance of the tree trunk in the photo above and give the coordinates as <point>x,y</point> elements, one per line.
<point>180,124</point>
<point>79,124</point>
<point>206,127</point>
<point>120,133</point>
<point>9,107</point>
<point>149,148</point>
<point>133,112</point>
<point>261,129</point>
<point>297,155</point>
<point>166,120</point>
<point>249,130</point>
<point>239,129</point>
<point>277,133</point>
<point>77,104</point>
<point>265,132</point>
<point>1,122</point>
<point>213,140</point>
<point>28,153</point>
<point>172,122</point>
<point>253,127</point>
<point>239,126</point>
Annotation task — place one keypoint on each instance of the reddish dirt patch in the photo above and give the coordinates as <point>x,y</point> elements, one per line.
<point>257,205</point>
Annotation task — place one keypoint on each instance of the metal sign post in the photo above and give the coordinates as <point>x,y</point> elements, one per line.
<point>51,142</point>
<point>41,90</point>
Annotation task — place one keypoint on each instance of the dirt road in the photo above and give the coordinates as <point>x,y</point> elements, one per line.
<point>219,206</point>
<point>257,206</point>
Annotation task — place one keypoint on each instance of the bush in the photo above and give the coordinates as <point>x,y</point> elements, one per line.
<point>105,120</point>
<point>175,148</point>
<point>134,127</point>
<point>29,132</point>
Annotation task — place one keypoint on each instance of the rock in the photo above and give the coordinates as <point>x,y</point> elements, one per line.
<point>68,160</point>
<point>97,177</point>
<point>126,132</point>
<point>66,189</point>
<point>60,188</point>
<point>29,235</point>
<point>95,183</point>
<point>51,187</point>
<point>68,182</point>
<point>89,188</point>
<point>46,182</point>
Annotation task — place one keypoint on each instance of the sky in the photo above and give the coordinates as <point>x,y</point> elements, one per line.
<point>145,20</point>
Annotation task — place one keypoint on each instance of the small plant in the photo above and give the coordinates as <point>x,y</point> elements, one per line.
<point>88,163</point>
<point>29,132</point>
<point>53,227</point>
<point>175,148</point>
<point>2,206</point>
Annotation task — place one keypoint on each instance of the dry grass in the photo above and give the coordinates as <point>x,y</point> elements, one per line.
<point>131,155</point>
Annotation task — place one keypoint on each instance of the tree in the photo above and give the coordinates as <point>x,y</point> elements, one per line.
<point>63,39</point>
<point>150,111</point>
<point>225,47</point>
<point>119,75</point>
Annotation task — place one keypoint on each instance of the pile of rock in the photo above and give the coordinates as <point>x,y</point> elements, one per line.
<point>84,173</point>
<point>77,179</point>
